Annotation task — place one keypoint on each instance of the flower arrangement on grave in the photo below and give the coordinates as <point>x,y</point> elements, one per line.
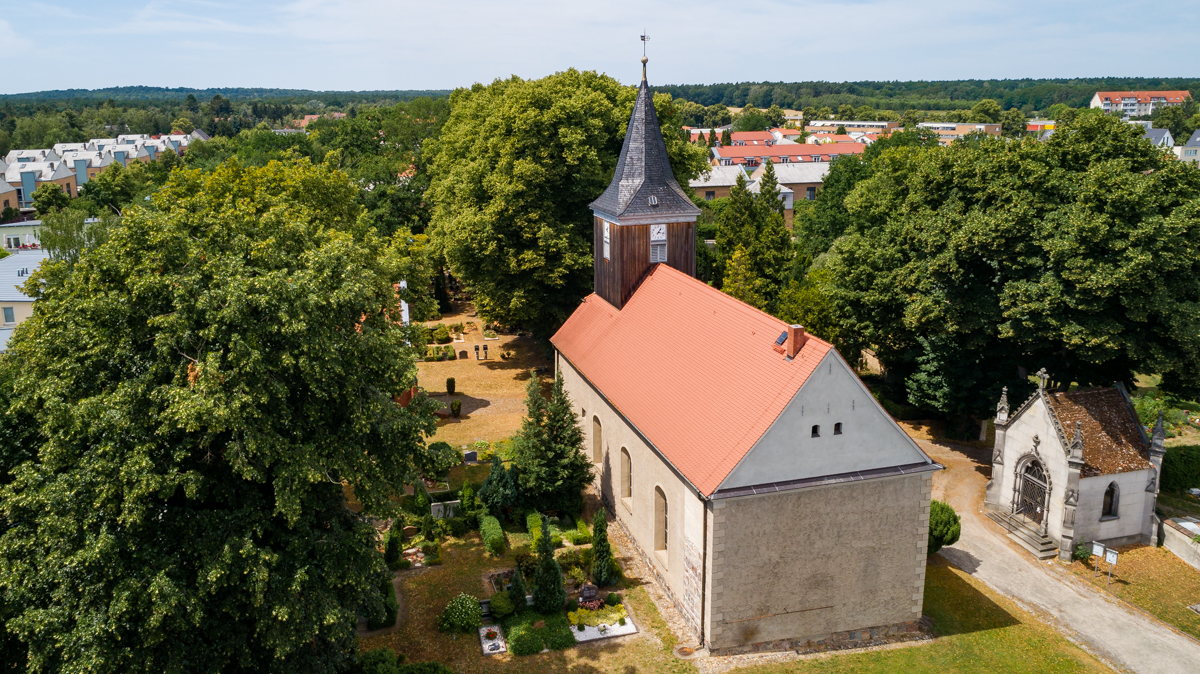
<point>491,634</point>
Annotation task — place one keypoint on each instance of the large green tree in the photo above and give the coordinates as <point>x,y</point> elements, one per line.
<point>200,387</point>
<point>754,246</point>
<point>512,175</point>
<point>1079,254</point>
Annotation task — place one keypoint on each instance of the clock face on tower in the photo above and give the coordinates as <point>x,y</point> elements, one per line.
<point>658,232</point>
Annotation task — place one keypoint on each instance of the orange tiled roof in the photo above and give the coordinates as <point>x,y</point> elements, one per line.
<point>1112,442</point>
<point>1144,96</point>
<point>690,367</point>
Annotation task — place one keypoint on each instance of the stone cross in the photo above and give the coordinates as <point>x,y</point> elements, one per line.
<point>1043,377</point>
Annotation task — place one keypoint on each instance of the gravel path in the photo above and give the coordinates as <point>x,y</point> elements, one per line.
<point>1126,638</point>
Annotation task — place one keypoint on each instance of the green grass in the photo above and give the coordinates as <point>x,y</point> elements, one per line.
<point>555,634</point>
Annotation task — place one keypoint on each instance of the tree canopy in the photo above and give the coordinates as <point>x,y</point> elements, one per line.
<point>197,389</point>
<point>513,173</point>
<point>960,265</point>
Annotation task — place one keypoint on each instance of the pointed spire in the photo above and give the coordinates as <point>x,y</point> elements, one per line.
<point>643,184</point>
<point>1077,441</point>
<point>1002,407</point>
<point>1159,438</point>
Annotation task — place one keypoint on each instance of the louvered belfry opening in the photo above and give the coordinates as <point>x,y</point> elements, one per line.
<point>644,217</point>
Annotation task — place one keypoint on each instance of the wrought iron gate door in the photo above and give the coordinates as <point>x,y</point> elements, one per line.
<point>1031,500</point>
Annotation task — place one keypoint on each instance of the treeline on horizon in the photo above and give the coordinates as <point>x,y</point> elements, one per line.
<point>1027,95</point>
<point>149,96</point>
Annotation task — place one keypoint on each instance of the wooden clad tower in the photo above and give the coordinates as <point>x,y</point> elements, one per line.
<point>644,217</point>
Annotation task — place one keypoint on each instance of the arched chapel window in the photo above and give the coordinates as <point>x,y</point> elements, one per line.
<point>597,441</point>
<point>660,519</point>
<point>1112,497</point>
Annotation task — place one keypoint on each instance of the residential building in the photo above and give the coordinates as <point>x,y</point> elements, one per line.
<point>831,126</point>
<point>1137,103</point>
<point>737,453</point>
<point>752,138</point>
<point>30,156</point>
<point>1190,151</point>
<point>788,134</point>
<point>86,163</point>
<point>782,153</point>
<point>16,306</point>
<point>20,235</point>
<point>8,196</point>
<point>1074,467</point>
<point>717,182</point>
<point>308,119</point>
<point>949,132</point>
<point>803,179</point>
<point>1037,126</point>
<point>28,176</point>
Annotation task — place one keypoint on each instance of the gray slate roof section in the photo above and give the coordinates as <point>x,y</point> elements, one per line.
<point>1158,136</point>
<point>10,268</point>
<point>643,170</point>
<point>1194,141</point>
<point>720,176</point>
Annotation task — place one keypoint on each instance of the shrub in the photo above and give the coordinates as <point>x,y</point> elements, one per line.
<point>569,559</point>
<point>621,622</point>
<point>449,385</point>
<point>604,616</point>
<point>390,608</point>
<point>429,547</point>
<point>580,627</point>
<point>379,661</point>
<point>401,564</point>
<point>455,408</point>
<point>1181,468</point>
<point>438,459</point>
<point>602,559</point>
<point>462,614</point>
<point>548,593</point>
<point>612,599</point>
<point>533,523</point>
<point>456,328</point>
<point>428,528</point>
<point>493,535</point>
<point>526,562</point>
<point>501,604</point>
<point>391,550</point>
<point>458,527</point>
<point>1082,553</point>
<point>572,605</point>
<point>524,641</point>
<point>944,526</point>
<point>578,575</point>
<point>424,668</point>
<point>441,335</point>
<point>556,540</point>
<point>517,591</point>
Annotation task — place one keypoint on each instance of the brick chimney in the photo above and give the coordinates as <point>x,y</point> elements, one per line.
<point>795,339</point>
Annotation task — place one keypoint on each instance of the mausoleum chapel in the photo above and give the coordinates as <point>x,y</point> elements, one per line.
<point>739,454</point>
<point>1074,467</point>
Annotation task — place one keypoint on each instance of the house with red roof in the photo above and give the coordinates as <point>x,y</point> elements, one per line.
<point>1137,103</point>
<point>782,153</point>
<point>776,503</point>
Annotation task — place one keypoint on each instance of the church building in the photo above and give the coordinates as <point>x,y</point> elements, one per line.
<point>776,502</point>
<point>1074,467</point>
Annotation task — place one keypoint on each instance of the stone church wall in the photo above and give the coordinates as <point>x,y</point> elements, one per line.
<point>679,568</point>
<point>1134,508</point>
<point>803,566</point>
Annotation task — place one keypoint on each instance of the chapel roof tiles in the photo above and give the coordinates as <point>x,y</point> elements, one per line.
<point>1112,439</point>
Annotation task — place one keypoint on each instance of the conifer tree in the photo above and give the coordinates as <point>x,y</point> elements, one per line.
<point>712,137</point>
<point>768,190</point>
<point>726,138</point>
<point>602,558</point>
<point>552,469</point>
<point>741,281</point>
<point>517,591</point>
<point>735,226</point>
<point>500,491</point>
<point>421,496</point>
<point>548,593</point>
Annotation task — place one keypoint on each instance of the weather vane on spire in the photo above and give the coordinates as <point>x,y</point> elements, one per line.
<point>645,37</point>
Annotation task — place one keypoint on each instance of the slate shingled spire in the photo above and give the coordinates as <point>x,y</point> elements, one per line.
<point>643,184</point>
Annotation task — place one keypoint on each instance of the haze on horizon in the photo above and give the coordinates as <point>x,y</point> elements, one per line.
<point>377,44</point>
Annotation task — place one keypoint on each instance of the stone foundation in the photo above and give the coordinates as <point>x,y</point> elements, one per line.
<point>914,630</point>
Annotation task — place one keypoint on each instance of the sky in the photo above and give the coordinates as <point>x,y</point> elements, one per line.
<point>443,44</point>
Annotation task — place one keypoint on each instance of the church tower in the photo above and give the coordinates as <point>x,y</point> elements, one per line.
<point>644,217</point>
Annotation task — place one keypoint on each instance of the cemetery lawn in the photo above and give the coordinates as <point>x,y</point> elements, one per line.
<point>977,630</point>
<point>492,391</point>
<point>1152,579</point>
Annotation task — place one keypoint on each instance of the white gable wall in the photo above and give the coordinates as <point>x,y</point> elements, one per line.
<point>1133,508</point>
<point>1018,442</point>
<point>833,393</point>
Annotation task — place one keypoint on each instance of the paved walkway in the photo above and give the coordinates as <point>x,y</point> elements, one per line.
<point>1126,638</point>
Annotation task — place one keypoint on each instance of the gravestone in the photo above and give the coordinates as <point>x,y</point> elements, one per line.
<point>444,510</point>
<point>588,592</point>
<point>410,531</point>
<point>462,355</point>
<point>470,456</point>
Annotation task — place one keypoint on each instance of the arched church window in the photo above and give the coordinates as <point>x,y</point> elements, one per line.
<point>626,474</point>
<point>597,441</point>
<point>1112,498</point>
<point>660,519</point>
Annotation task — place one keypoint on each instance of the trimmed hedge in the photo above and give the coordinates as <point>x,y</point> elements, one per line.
<point>1181,468</point>
<point>493,534</point>
<point>390,608</point>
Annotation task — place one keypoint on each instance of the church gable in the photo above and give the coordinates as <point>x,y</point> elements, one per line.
<point>832,426</point>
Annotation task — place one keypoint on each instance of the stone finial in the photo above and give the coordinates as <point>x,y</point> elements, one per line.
<point>1043,377</point>
<point>1159,438</point>
<point>1002,407</point>
<point>1077,441</point>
